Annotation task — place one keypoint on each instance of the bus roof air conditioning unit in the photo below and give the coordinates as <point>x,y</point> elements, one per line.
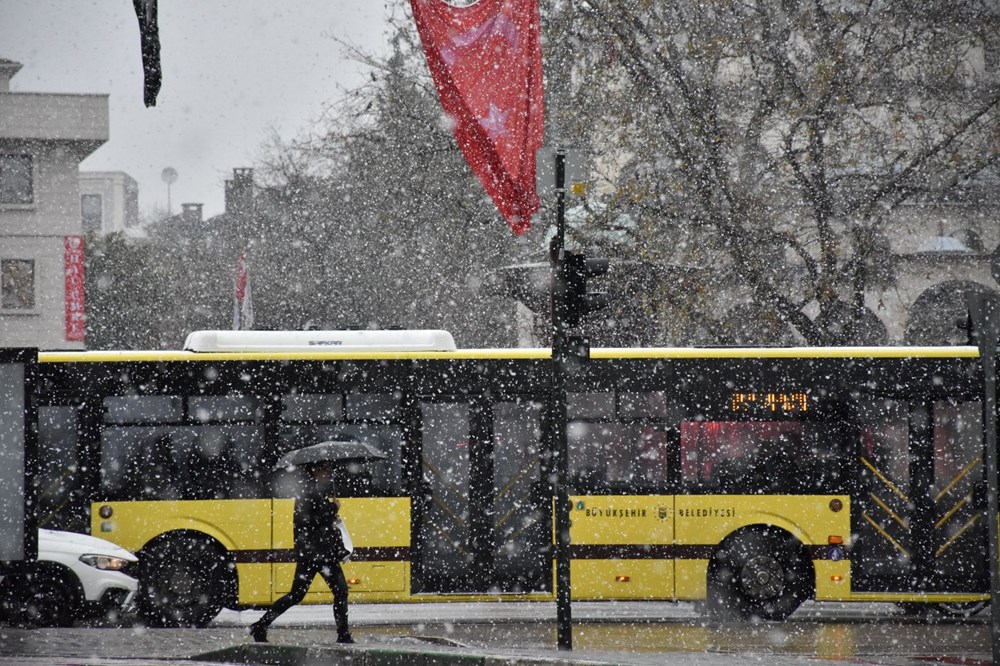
<point>318,341</point>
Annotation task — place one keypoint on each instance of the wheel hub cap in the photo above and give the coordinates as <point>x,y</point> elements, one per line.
<point>762,578</point>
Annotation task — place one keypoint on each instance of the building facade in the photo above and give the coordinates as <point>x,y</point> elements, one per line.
<point>43,139</point>
<point>109,202</point>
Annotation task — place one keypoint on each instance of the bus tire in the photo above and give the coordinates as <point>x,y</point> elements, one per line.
<point>183,581</point>
<point>759,574</point>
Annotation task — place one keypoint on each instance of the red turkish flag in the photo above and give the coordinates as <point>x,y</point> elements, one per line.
<point>243,300</point>
<point>486,60</point>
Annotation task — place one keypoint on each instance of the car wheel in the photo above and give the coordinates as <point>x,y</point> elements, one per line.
<point>181,582</point>
<point>762,574</point>
<point>38,600</point>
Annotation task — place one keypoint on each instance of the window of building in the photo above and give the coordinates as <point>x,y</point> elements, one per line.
<point>15,179</point>
<point>91,212</point>
<point>17,284</point>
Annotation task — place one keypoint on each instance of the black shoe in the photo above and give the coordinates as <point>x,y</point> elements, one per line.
<point>344,637</point>
<point>258,633</point>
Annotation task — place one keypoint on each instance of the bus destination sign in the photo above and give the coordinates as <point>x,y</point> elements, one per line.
<point>771,402</point>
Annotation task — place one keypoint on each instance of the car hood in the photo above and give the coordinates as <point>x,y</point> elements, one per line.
<point>79,544</point>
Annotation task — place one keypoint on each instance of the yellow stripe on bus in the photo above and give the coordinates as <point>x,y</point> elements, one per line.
<point>789,352</point>
<point>516,353</point>
<point>187,356</point>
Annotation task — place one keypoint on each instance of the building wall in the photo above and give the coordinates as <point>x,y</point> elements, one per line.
<point>57,131</point>
<point>44,326</point>
<point>917,274</point>
<point>915,234</point>
<point>119,198</point>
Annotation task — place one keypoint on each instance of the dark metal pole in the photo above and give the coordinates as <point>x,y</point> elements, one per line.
<point>986,326</point>
<point>564,619</point>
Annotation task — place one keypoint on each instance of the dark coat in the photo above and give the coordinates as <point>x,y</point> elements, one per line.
<point>316,538</point>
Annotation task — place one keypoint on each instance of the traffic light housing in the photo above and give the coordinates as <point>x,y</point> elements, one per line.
<point>576,269</point>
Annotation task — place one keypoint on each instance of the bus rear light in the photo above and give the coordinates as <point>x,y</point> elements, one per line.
<point>353,581</point>
<point>837,579</point>
<point>835,540</point>
<point>105,511</point>
<point>622,579</point>
<point>836,505</point>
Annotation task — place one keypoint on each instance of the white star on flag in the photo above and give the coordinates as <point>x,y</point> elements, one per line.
<point>495,123</point>
<point>501,26</point>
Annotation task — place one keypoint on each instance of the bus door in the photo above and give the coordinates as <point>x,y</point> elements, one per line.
<point>919,499</point>
<point>479,520</point>
<point>18,520</point>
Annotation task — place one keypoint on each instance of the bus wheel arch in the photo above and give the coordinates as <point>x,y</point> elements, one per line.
<point>185,578</point>
<point>759,572</point>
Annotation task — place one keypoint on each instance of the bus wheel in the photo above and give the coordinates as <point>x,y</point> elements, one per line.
<point>761,574</point>
<point>181,582</point>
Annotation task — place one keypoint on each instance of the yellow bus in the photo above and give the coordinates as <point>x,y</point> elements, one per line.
<point>751,478</point>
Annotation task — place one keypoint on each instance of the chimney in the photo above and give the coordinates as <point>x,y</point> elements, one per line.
<point>191,213</point>
<point>8,68</point>
<point>239,192</point>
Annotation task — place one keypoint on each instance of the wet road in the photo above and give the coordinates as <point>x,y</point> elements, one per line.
<point>828,631</point>
<point>848,633</point>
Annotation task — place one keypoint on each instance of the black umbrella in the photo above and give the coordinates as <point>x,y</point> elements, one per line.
<point>333,451</point>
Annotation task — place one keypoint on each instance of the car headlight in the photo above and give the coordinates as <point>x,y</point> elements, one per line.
<point>105,562</point>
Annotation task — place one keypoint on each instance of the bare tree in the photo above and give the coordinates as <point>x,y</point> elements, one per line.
<point>376,219</point>
<point>772,142</point>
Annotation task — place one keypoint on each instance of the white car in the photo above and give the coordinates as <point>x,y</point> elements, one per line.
<point>77,577</point>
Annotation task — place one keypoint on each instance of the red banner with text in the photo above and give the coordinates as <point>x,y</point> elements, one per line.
<point>76,320</point>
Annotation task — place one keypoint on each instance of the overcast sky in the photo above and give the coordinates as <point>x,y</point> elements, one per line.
<point>232,69</point>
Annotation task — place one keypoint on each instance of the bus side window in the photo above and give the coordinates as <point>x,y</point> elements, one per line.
<point>310,418</point>
<point>587,460</point>
<point>381,478</point>
<point>222,463</point>
<point>151,470</point>
<point>653,463</point>
<point>57,483</point>
<point>619,446</point>
<point>618,458</point>
<point>755,458</point>
<point>772,468</point>
<point>709,461</point>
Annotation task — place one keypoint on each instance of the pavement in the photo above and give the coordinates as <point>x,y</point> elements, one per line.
<point>518,634</point>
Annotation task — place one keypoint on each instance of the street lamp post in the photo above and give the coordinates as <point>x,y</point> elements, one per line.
<point>169,176</point>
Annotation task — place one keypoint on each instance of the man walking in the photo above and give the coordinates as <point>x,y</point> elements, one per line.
<point>319,549</point>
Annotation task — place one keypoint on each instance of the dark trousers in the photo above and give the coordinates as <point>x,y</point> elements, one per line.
<point>305,571</point>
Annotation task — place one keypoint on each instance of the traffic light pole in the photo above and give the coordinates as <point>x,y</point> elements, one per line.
<point>560,448</point>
